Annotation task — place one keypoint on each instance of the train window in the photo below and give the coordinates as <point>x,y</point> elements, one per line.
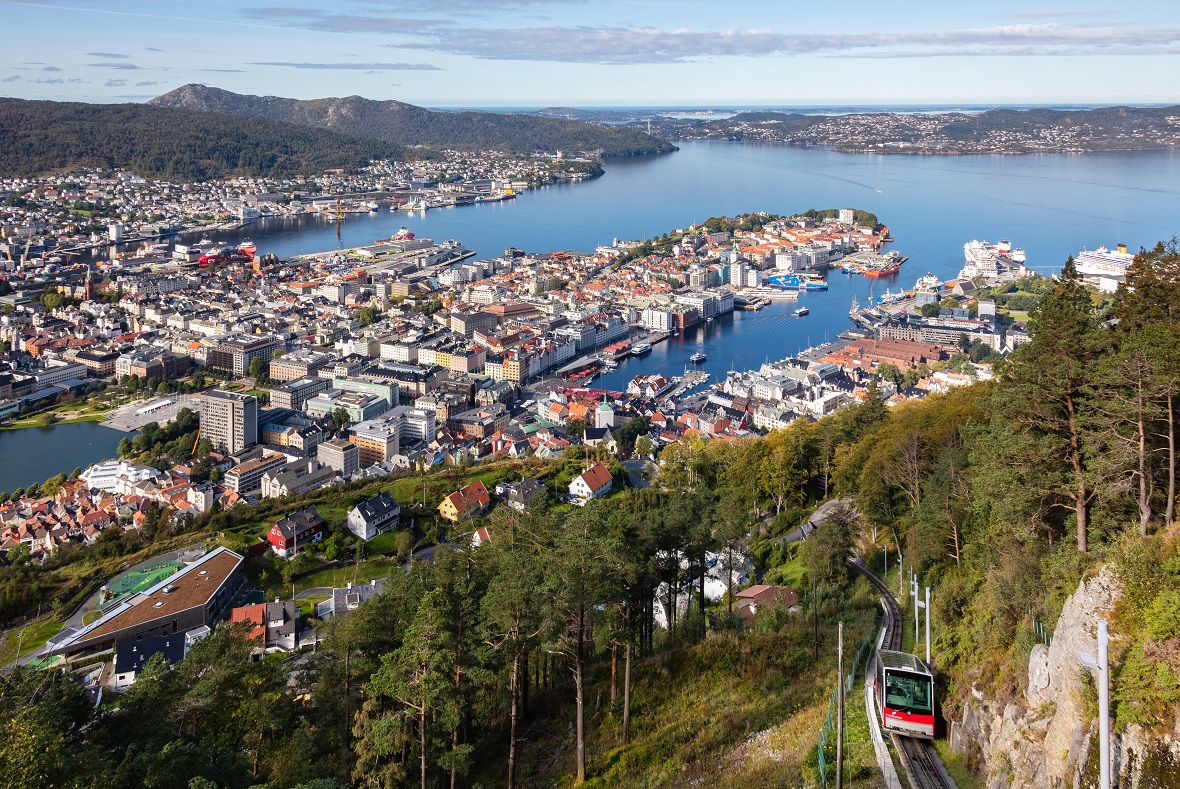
<point>908,693</point>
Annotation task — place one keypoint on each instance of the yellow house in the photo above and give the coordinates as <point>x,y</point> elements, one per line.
<point>466,501</point>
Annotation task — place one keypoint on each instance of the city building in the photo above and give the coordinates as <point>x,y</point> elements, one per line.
<point>303,363</point>
<point>195,596</point>
<point>295,394</point>
<point>246,477</point>
<point>358,405</point>
<point>234,354</point>
<point>296,478</point>
<point>229,420</point>
<point>341,455</point>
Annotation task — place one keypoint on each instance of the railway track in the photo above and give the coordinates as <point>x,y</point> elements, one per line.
<point>922,766</point>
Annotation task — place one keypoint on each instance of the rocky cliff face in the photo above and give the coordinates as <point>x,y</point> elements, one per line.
<point>1051,739</point>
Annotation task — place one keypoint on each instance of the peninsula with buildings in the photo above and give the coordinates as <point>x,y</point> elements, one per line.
<point>408,354</point>
<point>1003,131</point>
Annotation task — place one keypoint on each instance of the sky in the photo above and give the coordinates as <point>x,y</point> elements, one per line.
<point>588,53</point>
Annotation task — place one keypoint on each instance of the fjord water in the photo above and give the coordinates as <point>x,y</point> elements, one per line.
<point>1052,205</point>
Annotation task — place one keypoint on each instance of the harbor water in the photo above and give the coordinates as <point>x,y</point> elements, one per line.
<point>1052,205</point>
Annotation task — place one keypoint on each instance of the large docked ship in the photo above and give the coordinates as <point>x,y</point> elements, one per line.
<point>991,261</point>
<point>1105,268</point>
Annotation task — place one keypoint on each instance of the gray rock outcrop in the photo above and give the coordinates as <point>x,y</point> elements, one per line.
<point>1050,740</point>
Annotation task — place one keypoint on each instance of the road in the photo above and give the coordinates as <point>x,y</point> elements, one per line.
<point>816,518</point>
<point>633,469</point>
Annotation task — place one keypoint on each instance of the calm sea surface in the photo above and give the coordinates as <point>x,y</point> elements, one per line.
<point>1051,205</point>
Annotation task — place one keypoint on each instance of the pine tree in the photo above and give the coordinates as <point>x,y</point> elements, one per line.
<point>1044,395</point>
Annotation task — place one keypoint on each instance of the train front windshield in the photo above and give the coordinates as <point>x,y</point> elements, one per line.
<point>908,692</point>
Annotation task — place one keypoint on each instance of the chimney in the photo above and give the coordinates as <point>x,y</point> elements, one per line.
<point>350,584</point>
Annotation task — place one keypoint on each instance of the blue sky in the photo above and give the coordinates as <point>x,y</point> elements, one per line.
<point>599,52</point>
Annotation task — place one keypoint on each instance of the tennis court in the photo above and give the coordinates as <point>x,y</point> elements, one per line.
<point>137,581</point>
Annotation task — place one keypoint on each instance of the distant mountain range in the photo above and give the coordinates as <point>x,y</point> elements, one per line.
<point>407,124</point>
<point>47,136</point>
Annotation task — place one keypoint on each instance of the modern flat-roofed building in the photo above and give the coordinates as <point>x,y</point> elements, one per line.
<point>197,595</point>
<point>386,390</point>
<point>376,440</point>
<point>229,420</point>
<point>299,364</point>
<point>358,405</point>
<point>339,454</point>
<point>235,353</point>
<point>295,394</point>
<point>247,477</point>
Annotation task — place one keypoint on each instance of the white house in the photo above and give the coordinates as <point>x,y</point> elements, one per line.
<point>593,483</point>
<point>373,516</point>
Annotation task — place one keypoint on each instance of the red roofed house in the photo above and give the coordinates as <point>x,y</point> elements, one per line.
<point>297,529</point>
<point>274,623</point>
<point>759,596</point>
<point>467,501</point>
<point>593,483</point>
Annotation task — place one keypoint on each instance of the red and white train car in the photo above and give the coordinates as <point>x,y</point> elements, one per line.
<point>905,694</point>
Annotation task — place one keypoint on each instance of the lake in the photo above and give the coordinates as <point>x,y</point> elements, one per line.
<point>34,454</point>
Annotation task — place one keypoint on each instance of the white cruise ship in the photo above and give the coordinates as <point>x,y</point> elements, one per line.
<point>991,261</point>
<point>1104,268</point>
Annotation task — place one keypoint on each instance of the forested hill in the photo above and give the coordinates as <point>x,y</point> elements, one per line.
<point>45,136</point>
<point>395,121</point>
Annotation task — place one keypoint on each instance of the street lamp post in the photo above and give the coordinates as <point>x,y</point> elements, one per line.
<point>1102,664</point>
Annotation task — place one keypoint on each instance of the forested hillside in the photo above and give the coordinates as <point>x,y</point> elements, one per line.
<point>46,136</point>
<point>538,658</point>
<point>395,121</point>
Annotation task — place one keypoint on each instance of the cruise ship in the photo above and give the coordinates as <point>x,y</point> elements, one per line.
<point>1103,268</point>
<point>991,261</point>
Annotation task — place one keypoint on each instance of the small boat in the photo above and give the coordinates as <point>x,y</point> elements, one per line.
<point>697,357</point>
<point>799,313</point>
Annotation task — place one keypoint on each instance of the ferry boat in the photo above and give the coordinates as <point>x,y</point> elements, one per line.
<point>799,313</point>
<point>697,357</point>
<point>928,281</point>
<point>641,349</point>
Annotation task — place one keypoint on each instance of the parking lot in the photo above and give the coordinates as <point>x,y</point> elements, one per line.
<point>138,413</point>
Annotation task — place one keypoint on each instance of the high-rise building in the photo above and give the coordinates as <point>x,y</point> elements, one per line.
<point>229,420</point>
<point>339,455</point>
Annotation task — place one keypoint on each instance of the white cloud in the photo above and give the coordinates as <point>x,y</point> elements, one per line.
<point>628,45</point>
